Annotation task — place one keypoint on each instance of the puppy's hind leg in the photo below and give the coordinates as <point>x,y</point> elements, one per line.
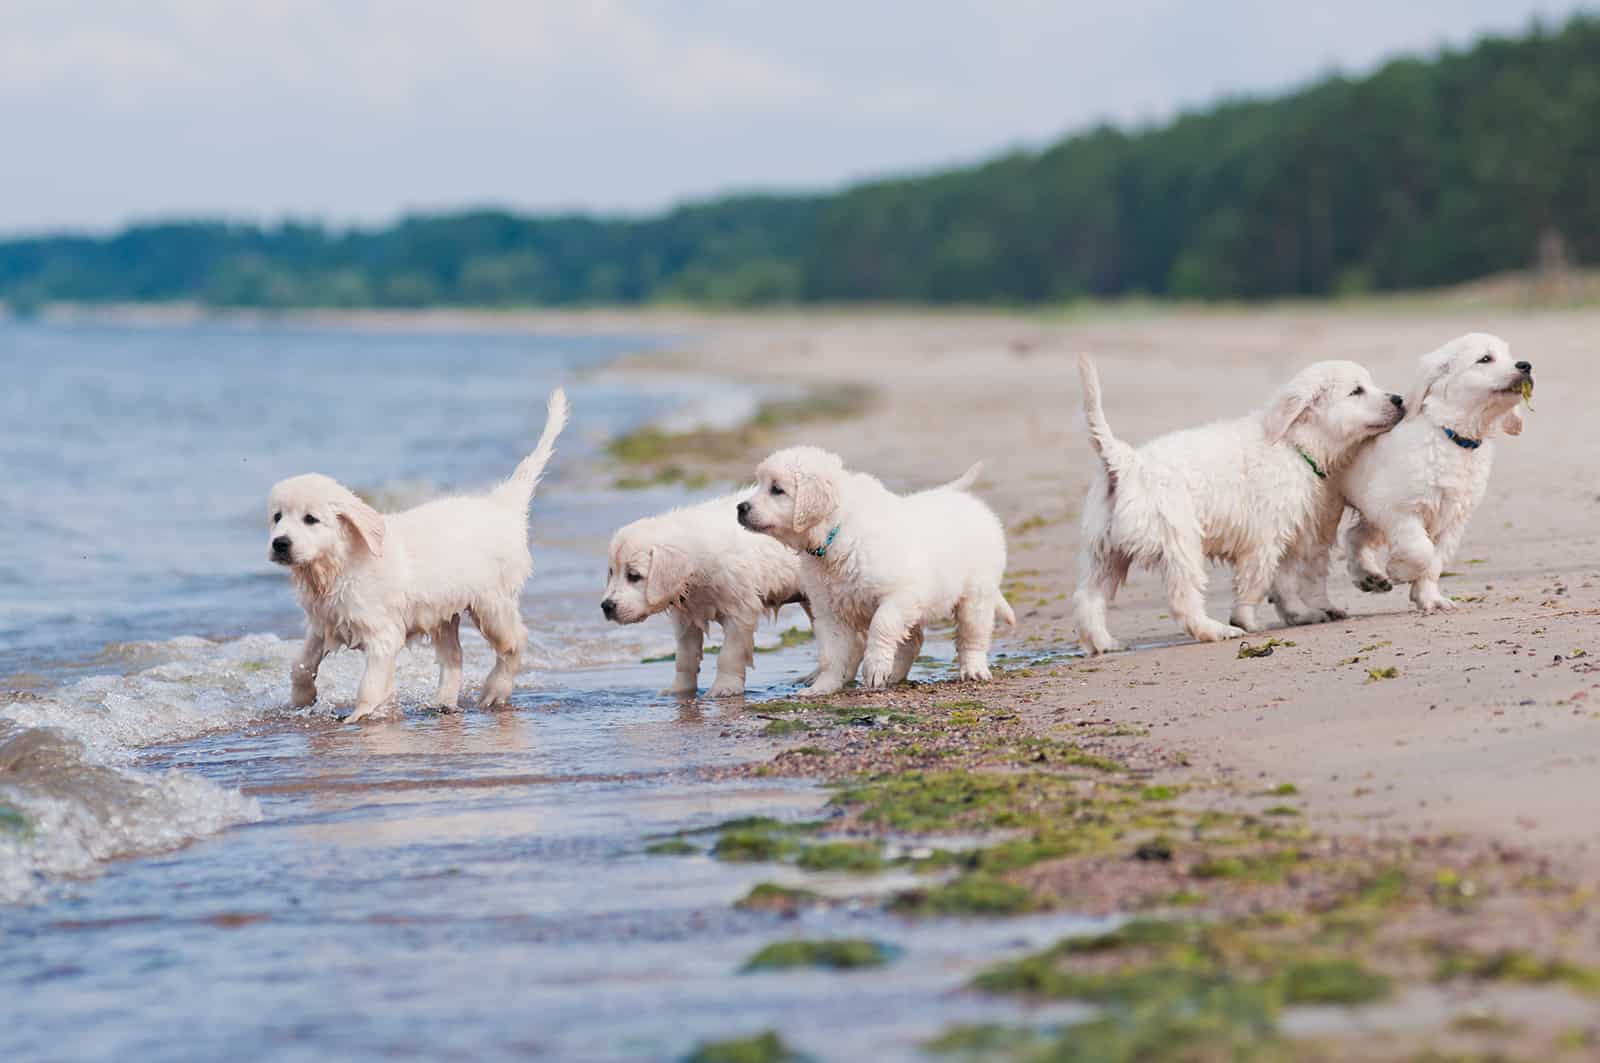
<point>447,648</point>
<point>502,625</point>
<point>1183,565</point>
<point>974,631</point>
<point>1361,544</point>
<point>905,656</point>
<point>1102,572</point>
<point>1252,575</point>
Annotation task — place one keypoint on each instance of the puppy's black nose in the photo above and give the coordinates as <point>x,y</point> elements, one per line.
<point>280,545</point>
<point>609,608</point>
<point>1526,367</point>
<point>743,508</point>
<point>1397,400</point>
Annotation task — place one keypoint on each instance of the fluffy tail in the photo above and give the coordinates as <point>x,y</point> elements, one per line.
<point>965,480</point>
<point>519,486</point>
<point>1003,613</point>
<point>1111,449</point>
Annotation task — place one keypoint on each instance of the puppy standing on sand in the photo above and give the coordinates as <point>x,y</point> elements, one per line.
<point>372,581</point>
<point>1239,491</point>
<point>877,567</point>
<point>697,564</point>
<point>1416,488</point>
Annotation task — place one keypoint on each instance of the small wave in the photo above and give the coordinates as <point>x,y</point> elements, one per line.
<point>62,815</point>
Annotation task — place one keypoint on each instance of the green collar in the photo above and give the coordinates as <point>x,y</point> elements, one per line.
<point>819,551</point>
<point>1309,461</point>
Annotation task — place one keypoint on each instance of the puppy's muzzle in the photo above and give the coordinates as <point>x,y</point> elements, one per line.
<point>281,547</point>
<point>743,509</point>
<point>609,608</point>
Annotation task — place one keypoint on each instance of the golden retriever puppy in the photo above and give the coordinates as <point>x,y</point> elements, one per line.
<point>878,567</point>
<point>1415,489</point>
<point>700,567</point>
<point>373,581</point>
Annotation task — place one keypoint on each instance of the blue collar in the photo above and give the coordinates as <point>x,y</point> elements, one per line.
<point>819,551</point>
<point>1462,441</point>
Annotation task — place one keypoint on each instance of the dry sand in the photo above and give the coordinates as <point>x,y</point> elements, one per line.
<point>1492,727</point>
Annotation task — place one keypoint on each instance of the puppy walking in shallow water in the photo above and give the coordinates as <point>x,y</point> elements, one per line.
<point>700,567</point>
<point>1239,491</point>
<point>373,581</point>
<point>1416,488</point>
<point>878,567</point>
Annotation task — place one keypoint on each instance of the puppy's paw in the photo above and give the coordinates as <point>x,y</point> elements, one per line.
<point>1335,613</point>
<point>440,705</point>
<point>726,688</point>
<point>678,690</point>
<point>1096,646</point>
<point>359,713</point>
<point>1246,622</point>
<point>1212,631</point>
<point>303,695</point>
<point>977,671</point>
<point>1301,617</point>
<point>1433,601</point>
<point>1374,583</point>
<point>824,686</point>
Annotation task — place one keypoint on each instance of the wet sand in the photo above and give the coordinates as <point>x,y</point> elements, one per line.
<point>1491,729</point>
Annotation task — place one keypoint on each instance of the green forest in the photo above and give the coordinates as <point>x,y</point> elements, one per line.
<point>1425,173</point>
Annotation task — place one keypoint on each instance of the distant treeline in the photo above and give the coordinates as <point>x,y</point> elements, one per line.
<point>1422,174</point>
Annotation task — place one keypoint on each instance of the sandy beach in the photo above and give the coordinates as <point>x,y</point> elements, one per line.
<point>1491,728</point>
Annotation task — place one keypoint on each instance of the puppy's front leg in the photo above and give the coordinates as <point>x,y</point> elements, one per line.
<point>303,673</point>
<point>835,661</point>
<point>377,684</point>
<point>890,625</point>
<point>691,645</point>
<point>1413,560</point>
<point>738,650</point>
<point>447,647</point>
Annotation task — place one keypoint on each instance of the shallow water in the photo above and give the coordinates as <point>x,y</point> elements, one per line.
<point>193,870</point>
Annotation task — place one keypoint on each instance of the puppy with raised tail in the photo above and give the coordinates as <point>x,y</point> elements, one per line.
<point>1240,491</point>
<point>1416,488</point>
<point>373,581</point>
<point>878,567</point>
<point>700,567</point>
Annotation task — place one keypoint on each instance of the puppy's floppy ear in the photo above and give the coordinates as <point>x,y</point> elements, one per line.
<point>669,573</point>
<point>366,522</point>
<point>1431,371</point>
<point>1287,408</point>
<point>814,498</point>
<point>1511,422</point>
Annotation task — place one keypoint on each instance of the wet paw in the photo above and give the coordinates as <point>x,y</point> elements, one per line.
<point>1215,632</point>
<point>720,689</point>
<point>1336,614</point>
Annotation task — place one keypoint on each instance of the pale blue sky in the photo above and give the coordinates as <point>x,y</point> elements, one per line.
<point>356,110</point>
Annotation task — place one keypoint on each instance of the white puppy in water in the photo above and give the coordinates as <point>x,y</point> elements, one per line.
<point>699,566</point>
<point>373,581</point>
<point>1239,491</point>
<point>1416,487</point>
<point>877,567</point>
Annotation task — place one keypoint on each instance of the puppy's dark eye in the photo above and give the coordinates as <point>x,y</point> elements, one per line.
<point>1359,390</point>
<point>311,520</point>
<point>634,577</point>
<point>1486,359</point>
<point>276,517</point>
<point>777,490</point>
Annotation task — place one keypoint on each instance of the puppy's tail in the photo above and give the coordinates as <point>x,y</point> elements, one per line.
<point>1108,446</point>
<point>1003,613</point>
<point>519,487</point>
<point>965,480</point>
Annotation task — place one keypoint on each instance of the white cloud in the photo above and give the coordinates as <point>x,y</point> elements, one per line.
<point>361,108</point>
